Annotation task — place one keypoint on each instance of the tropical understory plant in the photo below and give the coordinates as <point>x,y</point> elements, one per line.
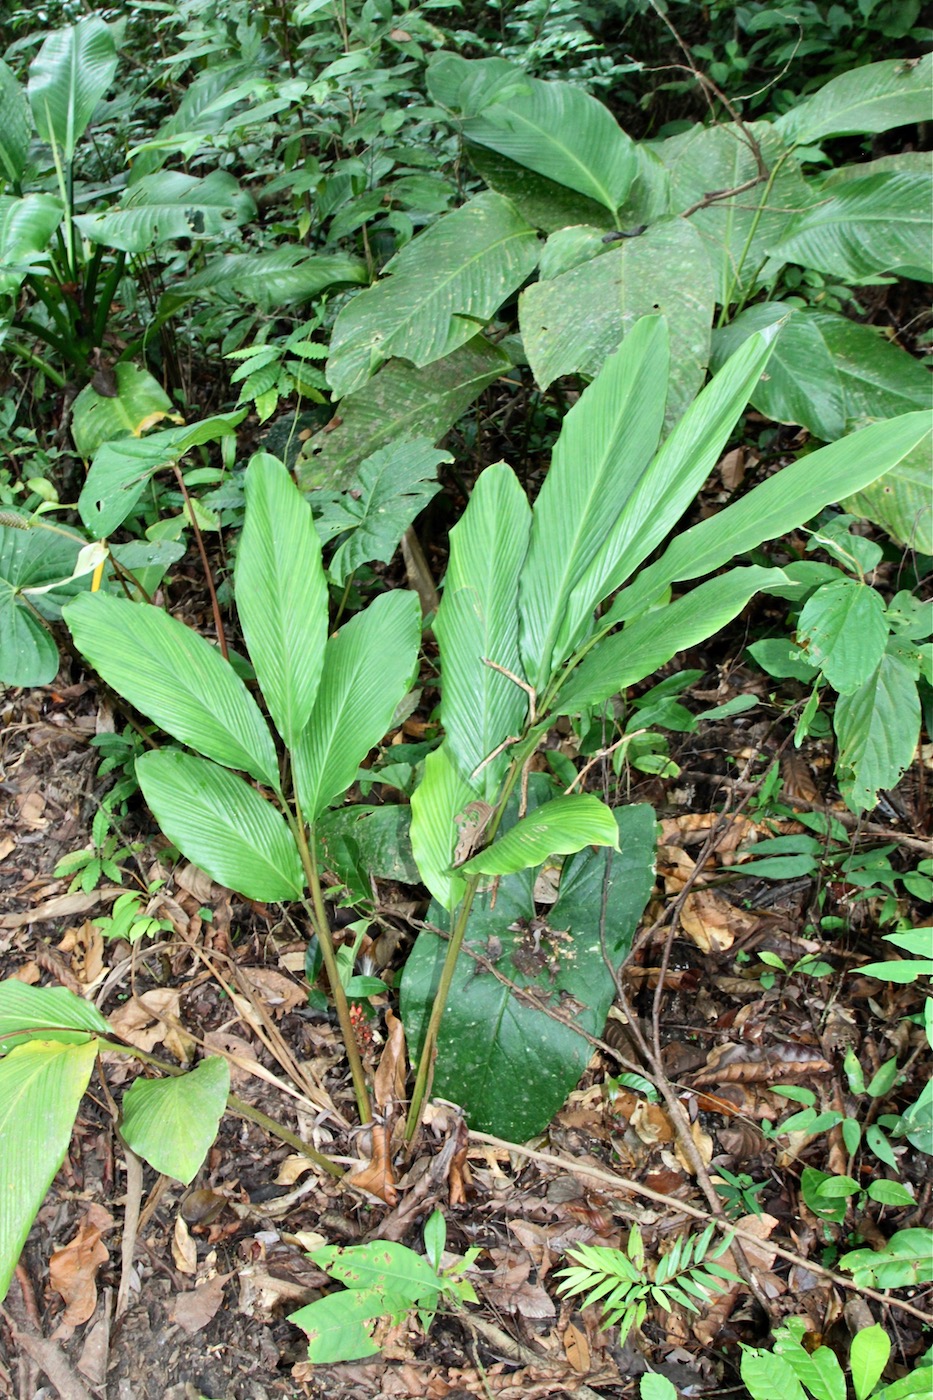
<point>525,637</point>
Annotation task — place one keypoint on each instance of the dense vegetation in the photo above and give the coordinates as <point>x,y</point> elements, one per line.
<point>366,370</point>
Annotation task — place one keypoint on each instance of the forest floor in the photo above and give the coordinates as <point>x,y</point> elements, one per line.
<point>132,1287</point>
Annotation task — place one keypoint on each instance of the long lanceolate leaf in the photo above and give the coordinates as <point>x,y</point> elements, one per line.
<point>368,667</point>
<point>281,594</point>
<point>669,483</point>
<point>68,77</point>
<point>222,824</point>
<point>41,1084</point>
<point>477,624</point>
<point>564,134</point>
<point>607,440</point>
<point>176,678</point>
<point>781,503</point>
<point>437,293</point>
<point>439,799</point>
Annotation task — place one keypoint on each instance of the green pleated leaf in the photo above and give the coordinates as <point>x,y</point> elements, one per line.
<point>171,1123</point>
<point>14,125</point>
<point>571,322</point>
<point>559,827</point>
<point>67,78</point>
<point>826,372</point>
<point>41,1084</point>
<point>478,622</point>
<point>222,824</point>
<point>870,98</point>
<point>738,232</point>
<point>400,402</point>
<point>168,205</point>
<point>652,639</point>
<point>120,470</point>
<point>563,133</point>
<point>26,226</point>
<point>368,666</point>
<point>782,503</point>
<point>879,224</point>
<point>176,678</point>
<point>607,440</point>
<point>52,1013</point>
<point>436,293</point>
<point>671,481</point>
<point>281,594</point>
<point>439,799</point>
<point>877,727</point>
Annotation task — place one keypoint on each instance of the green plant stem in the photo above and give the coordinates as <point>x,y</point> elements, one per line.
<point>37,362</point>
<point>208,576</point>
<point>425,1061</point>
<point>753,228</point>
<point>321,926</point>
<point>235,1105</point>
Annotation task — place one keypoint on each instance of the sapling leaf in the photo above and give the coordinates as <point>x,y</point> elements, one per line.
<point>877,727</point>
<point>439,799</point>
<point>336,1324</point>
<point>563,133</point>
<point>50,1013</point>
<point>477,624</point>
<point>176,678</point>
<point>606,443</point>
<point>391,487</point>
<point>843,631</point>
<point>222,824</point>
<point>67,79</point>
<point>368,666</point>
<point>769,1377</point>
<point>281,594</point>
<point>559,827</point>
<point>41,1084</point>
<point>868,1356</point>
<point>172,1122</point>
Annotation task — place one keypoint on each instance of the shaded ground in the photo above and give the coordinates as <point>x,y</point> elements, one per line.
<point>200,1306</point>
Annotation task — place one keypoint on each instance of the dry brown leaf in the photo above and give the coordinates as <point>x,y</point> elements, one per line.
<point>577,1350</point>
<point>238,1053</point>
<point>194,1309</point>
<point>150,1019</point>
<point>85,944</point>
<point>7,844</point>
<point>712,922</point>
<point>293,1169</point>
<point>73,1269</point>
<point>62,906</point>
<point>184,1249</point>
<point>651,1123</point>
<point>193,880</point>
<point>377,1176</point>
<point>280,994</point>
<point>703,1143</point>
<point>797,778</point>
<point>389,1079</point>
<point>732,468</point>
